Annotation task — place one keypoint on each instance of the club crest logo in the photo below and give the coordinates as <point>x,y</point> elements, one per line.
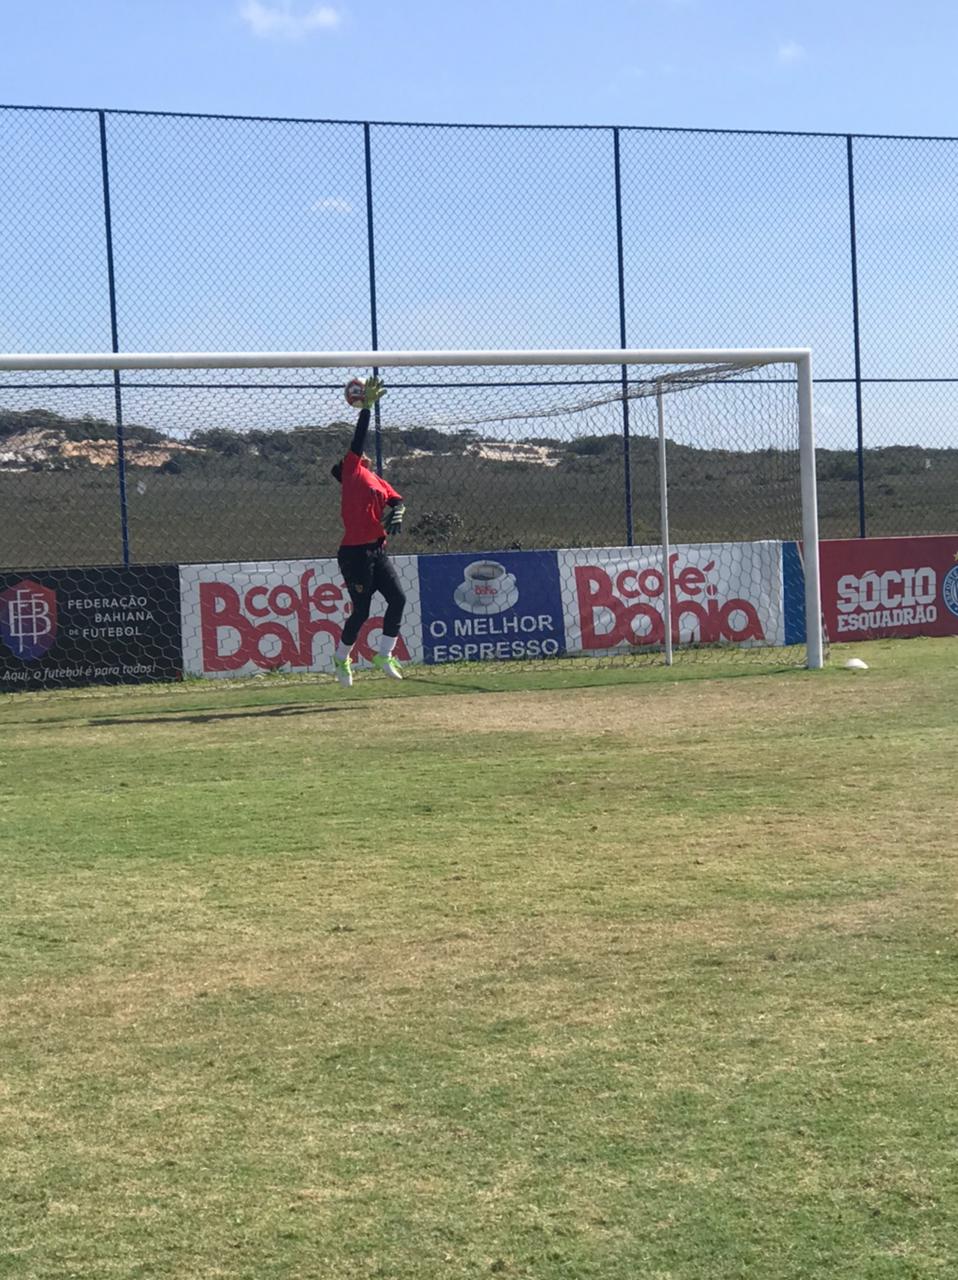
<point>487,587</point>
<point>949,590</point>
<point>28,619</point>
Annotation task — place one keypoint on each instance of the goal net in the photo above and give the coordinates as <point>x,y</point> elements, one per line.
<point>177,513</point>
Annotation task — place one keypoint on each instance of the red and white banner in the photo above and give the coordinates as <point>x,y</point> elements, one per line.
<point>240,619</point>
<point>876,587</point>
<point>722,593</point>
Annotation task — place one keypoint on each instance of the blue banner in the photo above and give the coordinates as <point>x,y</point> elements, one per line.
<point>793,578</point>
<point>481,608</point>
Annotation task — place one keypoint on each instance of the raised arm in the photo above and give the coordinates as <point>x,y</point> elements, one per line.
<point>359,435</point>
<point>373,393</point>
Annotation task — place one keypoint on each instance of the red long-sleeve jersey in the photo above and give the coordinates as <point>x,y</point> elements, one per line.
<point>364,499</point>
<point>365,495</point>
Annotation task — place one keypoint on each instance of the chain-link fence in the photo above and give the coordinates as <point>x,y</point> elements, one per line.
<point>133,231</point>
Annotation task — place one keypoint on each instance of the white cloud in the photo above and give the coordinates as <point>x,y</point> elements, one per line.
<point>790,51</point>
<point>280,20</point>
<point>332,204</point>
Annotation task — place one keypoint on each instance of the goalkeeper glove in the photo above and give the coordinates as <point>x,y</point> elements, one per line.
<point>373,391</point>
<point>392,521</point>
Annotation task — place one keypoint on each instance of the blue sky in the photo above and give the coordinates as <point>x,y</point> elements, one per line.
<point>845,65</point>
<point>253,237</point>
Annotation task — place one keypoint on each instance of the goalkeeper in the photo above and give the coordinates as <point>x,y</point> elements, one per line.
<point>371,509</point>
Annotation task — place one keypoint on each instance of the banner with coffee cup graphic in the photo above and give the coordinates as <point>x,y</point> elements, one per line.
<point>478,608</point>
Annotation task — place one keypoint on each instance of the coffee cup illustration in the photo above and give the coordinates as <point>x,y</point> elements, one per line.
<point>487,587</point>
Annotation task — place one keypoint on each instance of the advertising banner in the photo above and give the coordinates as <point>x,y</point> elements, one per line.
<point>888,587</point>
<point>61,627</point>
<point>722,593</point>
<point>491,607</point>
<point>241,619</point>
<point>793,581</point>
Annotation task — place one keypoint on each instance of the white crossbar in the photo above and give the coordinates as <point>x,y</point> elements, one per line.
<point>384,359</point>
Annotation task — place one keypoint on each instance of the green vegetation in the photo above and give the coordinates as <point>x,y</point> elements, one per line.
<point>267,493</point>
<point>556,975</point>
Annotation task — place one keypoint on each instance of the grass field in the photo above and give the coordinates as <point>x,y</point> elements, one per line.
<point>560,974</point>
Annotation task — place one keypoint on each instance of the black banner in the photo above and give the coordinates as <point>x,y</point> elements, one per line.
<point>62,627</point>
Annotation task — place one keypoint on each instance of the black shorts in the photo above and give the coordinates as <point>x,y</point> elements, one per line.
<point>362,565</point>
<point>366,570</point>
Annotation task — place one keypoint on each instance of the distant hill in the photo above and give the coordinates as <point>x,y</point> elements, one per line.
<point>267,493</point>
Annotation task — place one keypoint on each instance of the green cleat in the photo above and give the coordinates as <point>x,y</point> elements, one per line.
<point>343,668</point>
<point>388,666</point>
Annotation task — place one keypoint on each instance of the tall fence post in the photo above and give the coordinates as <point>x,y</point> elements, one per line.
<point>114,337</point>
<point>860,434</point>
<point>620,251</point>
<point>373,316</point>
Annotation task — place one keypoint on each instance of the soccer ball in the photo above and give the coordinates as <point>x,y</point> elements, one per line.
<point>355,392</point>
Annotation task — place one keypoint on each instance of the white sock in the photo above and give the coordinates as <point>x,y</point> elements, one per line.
<point>343,651</point>
<point>386,645</point>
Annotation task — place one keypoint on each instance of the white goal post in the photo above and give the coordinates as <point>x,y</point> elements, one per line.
<point>727,361</point>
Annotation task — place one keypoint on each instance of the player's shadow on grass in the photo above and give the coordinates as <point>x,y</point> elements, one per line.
<point>205,717</point>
